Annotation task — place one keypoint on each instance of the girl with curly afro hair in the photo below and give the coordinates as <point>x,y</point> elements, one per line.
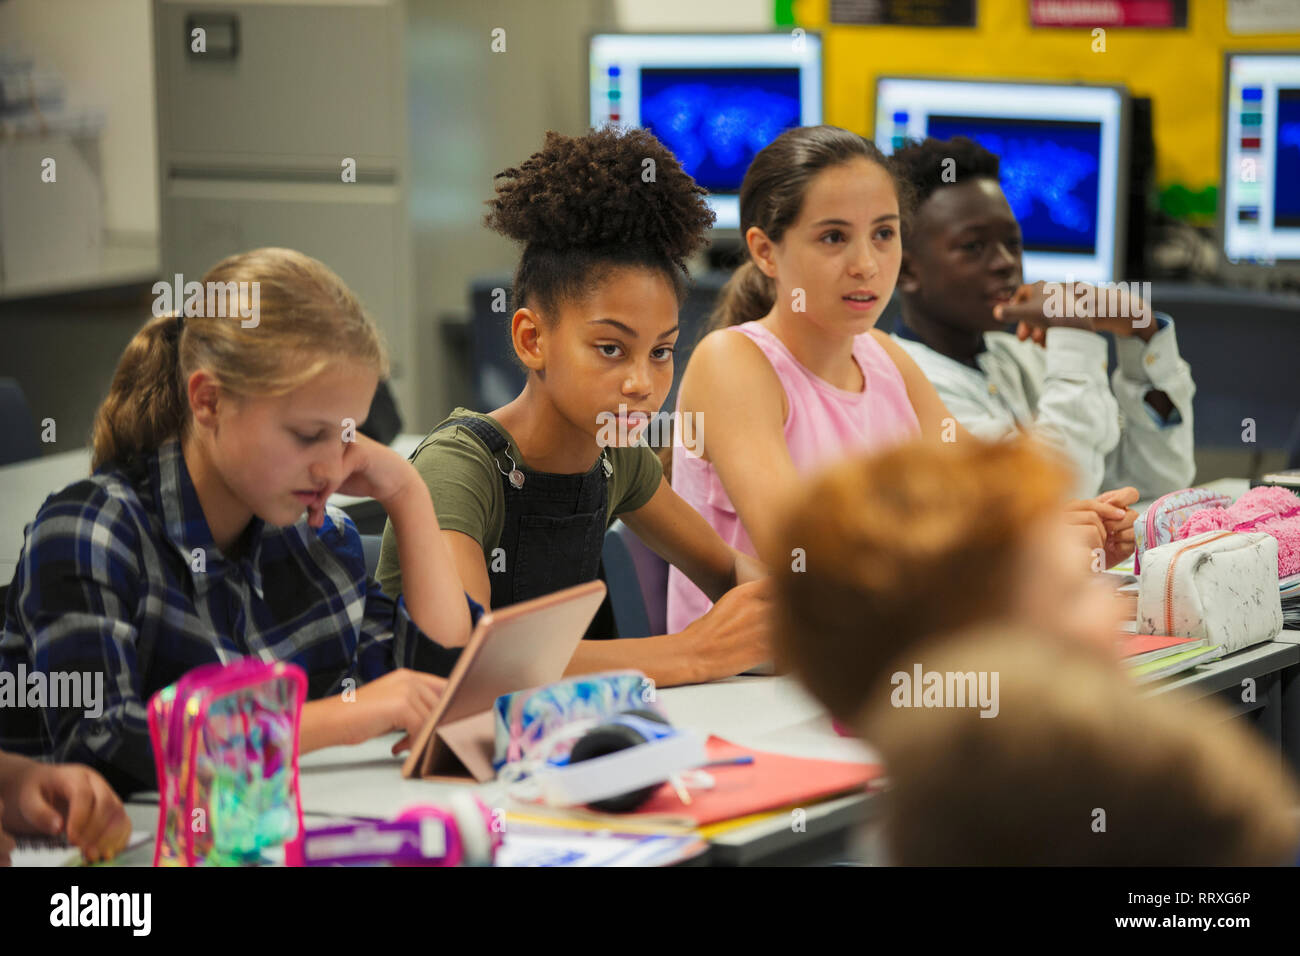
<point>525,493</point>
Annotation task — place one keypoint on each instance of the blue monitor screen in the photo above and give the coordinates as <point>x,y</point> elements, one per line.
<point>716,120</point>
<point>1049,172</point>
<point>1286,183</point>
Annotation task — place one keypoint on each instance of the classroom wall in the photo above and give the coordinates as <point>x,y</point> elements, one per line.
<point>104,51</point>
<point>1182,70</point>
<point>675,15</point>
<point>473,113</point>
<point>63,349</point>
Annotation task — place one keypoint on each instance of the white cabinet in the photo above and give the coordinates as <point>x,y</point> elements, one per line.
<point>298,86</point>
<point>356,229</point>
<point>51,229</point>
<point>253,134</point>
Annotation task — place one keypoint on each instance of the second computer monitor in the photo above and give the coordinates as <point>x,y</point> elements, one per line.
<point>1063,151</point>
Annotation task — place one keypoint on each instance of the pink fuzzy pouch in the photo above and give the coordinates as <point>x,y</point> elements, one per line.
<point>1272,510</point>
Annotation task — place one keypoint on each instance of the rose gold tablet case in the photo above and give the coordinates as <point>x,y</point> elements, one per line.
<point>512,648</point>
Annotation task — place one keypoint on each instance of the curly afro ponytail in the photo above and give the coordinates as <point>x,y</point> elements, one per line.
<point>583,205</point>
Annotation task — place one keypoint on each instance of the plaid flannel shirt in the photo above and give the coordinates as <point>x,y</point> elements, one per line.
<point>119,576</point>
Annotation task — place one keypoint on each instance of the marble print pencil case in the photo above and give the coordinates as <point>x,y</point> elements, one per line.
<point>1221,586</point>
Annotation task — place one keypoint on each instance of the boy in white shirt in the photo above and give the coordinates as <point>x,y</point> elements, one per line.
<point>961,287</point>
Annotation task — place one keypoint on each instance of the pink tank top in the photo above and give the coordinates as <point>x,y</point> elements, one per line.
<point>825,423</point>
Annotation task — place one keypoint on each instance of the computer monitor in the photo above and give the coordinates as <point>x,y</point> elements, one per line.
<point>1259,205</point>
<point>1064,160</point>
<point>715,100</point>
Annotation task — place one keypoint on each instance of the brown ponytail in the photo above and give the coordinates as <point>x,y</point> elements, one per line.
<point>748,295</point>
<point>307,320</point>
<point>771,197</point>
<point>145,403</point>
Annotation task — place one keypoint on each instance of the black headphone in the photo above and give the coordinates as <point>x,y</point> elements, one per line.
<point>611,738</point>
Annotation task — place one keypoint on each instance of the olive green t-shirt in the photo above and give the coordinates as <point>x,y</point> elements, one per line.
<point>465,483</point>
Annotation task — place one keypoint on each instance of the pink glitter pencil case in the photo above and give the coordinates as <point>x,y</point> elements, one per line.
<point>225,742</point>
<point>1159,523</point>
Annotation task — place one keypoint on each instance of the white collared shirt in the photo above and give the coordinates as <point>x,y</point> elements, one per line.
<point>1061,394</point>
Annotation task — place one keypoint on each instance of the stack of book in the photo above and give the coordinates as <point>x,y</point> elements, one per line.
<point>1150,657</point>
<point>1290,588</point>
<point>740,787</point>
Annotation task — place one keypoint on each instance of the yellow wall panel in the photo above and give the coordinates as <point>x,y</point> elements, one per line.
<point>1181,70</point>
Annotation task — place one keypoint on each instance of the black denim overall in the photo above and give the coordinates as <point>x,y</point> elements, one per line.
<point>553,531</point>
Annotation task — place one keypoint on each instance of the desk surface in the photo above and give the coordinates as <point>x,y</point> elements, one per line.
<point>763,713</point>
<point>23,489</point>
<point>1230,671</point>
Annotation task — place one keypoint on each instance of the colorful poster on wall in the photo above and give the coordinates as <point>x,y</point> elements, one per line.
<point>904,13</point>
<point>1108,13</point>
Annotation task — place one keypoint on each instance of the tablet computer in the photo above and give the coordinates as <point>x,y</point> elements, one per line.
<point>512,648</point>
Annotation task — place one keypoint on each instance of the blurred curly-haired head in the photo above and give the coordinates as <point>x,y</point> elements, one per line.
<point>879,533</point>
<point>923,164</point>
<point>585,205</point>
<point>1181,784</point>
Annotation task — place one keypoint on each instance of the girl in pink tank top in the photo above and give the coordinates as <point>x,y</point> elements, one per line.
<point>824,423</point>
<point>820,215</point>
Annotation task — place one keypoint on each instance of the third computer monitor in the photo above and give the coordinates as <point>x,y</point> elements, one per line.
<point>1260,203</point>
<point>1063,151</point>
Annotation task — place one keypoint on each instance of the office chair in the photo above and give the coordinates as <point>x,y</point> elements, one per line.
<point>638,583</point>
<point>19,440</point>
